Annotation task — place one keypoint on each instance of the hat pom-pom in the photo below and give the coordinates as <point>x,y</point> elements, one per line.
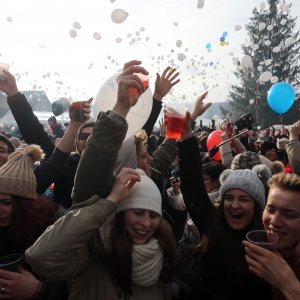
<point>224,175</point>
<point>35,152</point>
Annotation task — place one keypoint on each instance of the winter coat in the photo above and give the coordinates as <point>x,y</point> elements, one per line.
<point>223,271</point>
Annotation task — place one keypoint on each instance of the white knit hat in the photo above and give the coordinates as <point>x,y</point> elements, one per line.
<point>144,195</point>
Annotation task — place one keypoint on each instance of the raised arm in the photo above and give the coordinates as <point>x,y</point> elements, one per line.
<point>95,170</point>
<point>32,130</point>
<point>48,171</point>
<point>193,189</point>
<point>163,85</point>
<point>293,147</point>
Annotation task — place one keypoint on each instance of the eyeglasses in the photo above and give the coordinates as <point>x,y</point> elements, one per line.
<point>83,136</point>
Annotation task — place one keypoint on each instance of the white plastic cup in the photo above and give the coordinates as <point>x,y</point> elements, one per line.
<point>263,239</point>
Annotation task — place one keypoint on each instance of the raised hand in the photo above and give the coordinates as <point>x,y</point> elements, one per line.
<point>199,107</point>
<point>86,113</point>
<point>126,81</point>
<point>175,184</point>
<point>123,184</point>
<point>165,82</point>
<point>295,131</point>
<point>8,85</point>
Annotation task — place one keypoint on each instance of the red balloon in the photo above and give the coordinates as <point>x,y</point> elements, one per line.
<point>214,139</point>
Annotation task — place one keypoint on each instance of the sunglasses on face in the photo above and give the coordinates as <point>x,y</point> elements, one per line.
<point>83,136</point>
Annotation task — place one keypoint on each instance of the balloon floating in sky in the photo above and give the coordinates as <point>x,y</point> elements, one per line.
<point>246,61</point>
<point>261,26</point>
<point>73,33</point>
<point>281,97</point>
<point>222,43</point>
<point>251,101</point>
<point>265,76</point>
<point>237,27</point>
<point>262,6</point>
<point>259,68</point>
<point>9,19</point>
<point>181,56</point>
<point>76,25</point>
<point>200,4</point>
<point>118,40</point>
<point>225,33</point>
<point>268,62</point>
<point>222,39</point>
<point>276,49</point>
<point>255,46</point>
<point>269,27</point>
<point>274,79</point>
<point>97,35</point>
<point>178,43</point>
<point>289,41</point>
<point>283,22</point>
<point>119,15</point>
<point>208,46</point>
<point>268,43</point>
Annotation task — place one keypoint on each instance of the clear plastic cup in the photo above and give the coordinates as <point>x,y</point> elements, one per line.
<point>175,116</point>
<point>12,262</point>
<point>145,80</point>
<point>263,239</point>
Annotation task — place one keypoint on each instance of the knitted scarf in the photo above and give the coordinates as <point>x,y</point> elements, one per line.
<point>147,259</point>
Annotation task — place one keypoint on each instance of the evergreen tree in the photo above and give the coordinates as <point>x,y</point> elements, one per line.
<point>273,46</point>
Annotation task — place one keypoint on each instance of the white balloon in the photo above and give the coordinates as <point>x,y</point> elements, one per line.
<point>269,27</point>
<point>181,56</point>
<point>283,22</point>
<point>138,114</point>
<point>262,26</point>
<point>237,27</point>
<point>258,127</point>
<point>265,76</point>
<point>276,49</point>
<point>76,25</point>
<point>246,61</point>
<point>268,62</point>
<point>119,15</point>
<point>289,41</point>
<point>118,40</point>
<point>259,68</point>
<point>274,79</point>
<point>200,4</point>
<point>175,23</point>
<point>178,43</point>
<point>268,43</point>
<point>286,7</point>
<point>73,33</point>
<point>9,19</point>
<point>262,6</point>
<point>251,101</point>
<point>97,36</point>
<point>255,46</point>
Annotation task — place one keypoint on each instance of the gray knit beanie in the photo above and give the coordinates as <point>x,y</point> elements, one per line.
<point>247,181</point>
<point>144,195</point>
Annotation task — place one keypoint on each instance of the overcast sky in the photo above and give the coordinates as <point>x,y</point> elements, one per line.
<point>36,42</point>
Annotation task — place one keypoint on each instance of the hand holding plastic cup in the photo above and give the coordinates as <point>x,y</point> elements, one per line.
<point>12,263</point>
<point>145,80</point>
<point>3,66</point>
<point>175,116</point>
<point>76,111</point>
<point>263,239</point>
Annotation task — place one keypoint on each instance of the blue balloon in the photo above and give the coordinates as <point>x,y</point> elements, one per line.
<point>208,46</point>
<point>281,97</point>
<point>225,33</point>
<point>222,39</point>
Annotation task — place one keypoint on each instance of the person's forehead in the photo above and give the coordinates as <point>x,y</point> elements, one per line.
<point>284,199</point>
<point>3,145</point>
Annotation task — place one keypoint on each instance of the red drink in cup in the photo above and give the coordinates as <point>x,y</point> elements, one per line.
<point>76,111</point>
<point>145,80</point>
<point>175,121</point>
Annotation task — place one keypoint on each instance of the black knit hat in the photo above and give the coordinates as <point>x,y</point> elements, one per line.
<point>267,146</point>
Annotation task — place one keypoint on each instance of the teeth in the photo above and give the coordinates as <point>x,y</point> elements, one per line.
<point>141,232</point>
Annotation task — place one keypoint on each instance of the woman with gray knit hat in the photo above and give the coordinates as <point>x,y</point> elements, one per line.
<point>117,245</point>
<point>222,270</point>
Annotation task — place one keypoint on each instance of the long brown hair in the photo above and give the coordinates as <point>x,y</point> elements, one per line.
<point>30,217</point>
<point>120,258</point>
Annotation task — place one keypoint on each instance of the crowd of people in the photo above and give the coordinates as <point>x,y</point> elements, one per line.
<point>97,216</point>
